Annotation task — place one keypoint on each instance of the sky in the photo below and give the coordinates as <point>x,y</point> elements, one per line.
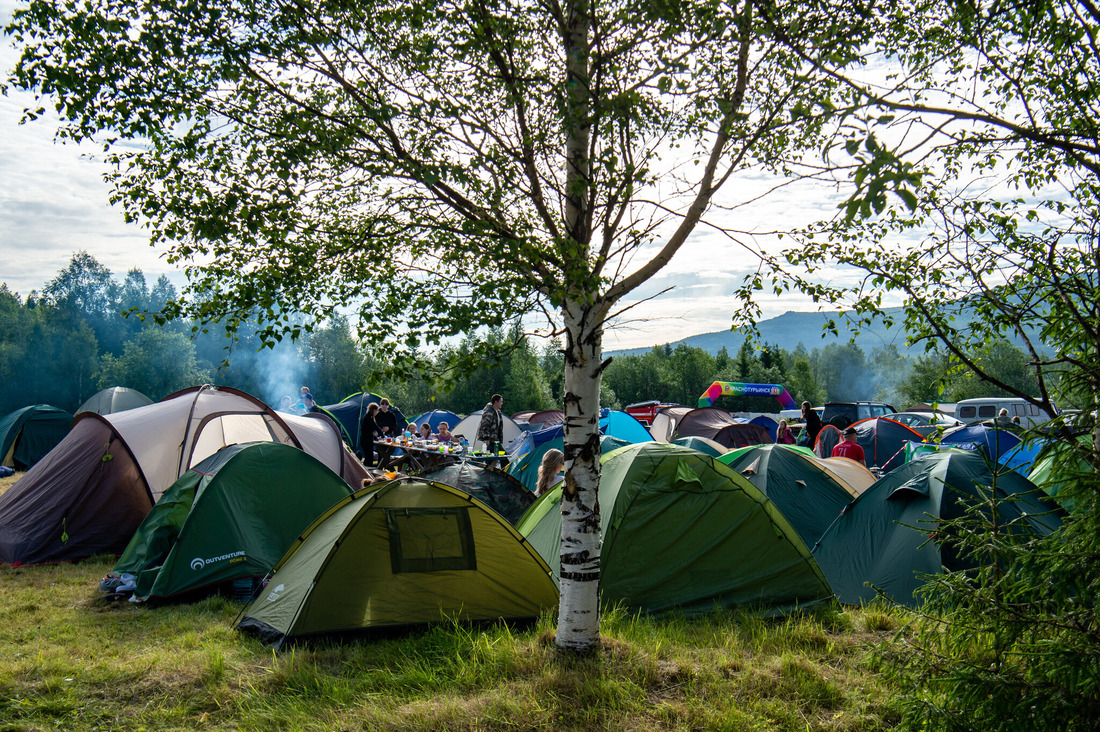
<point>54,202</point>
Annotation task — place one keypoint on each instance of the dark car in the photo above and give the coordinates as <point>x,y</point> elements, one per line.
<point>842,414</point>
<point>926,423</point>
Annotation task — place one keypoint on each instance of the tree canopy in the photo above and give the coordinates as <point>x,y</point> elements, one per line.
<point>442,165</point>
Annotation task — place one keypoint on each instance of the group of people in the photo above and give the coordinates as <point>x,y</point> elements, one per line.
<point>379,422</point>
<point>304,405</point>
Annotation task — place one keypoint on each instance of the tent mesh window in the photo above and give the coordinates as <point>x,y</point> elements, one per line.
<point>430,539</point>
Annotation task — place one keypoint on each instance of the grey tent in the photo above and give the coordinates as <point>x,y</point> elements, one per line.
<point>496,489</point>
<point>114,399</point>
<point>722,427</point>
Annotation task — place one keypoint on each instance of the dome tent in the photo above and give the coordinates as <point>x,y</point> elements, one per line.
<point>434,417</point>
<point>883,441</point>
<point>883,537</point>
<point>407,553</point>
<point>525,469</point>
<point>721,426</point>
<point>114,399</point>
<point>809,497</point>
<point>230,517</point>
<point>704,445</point>
<point>27,435</point>
<point>349,414</point>
<point>496,489</point>
<point>678,528</point>
<point>467,428</point>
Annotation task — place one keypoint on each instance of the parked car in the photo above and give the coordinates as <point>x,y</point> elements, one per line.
<point>925,423</point>
<point>984,408</point>
<point>842,414</point>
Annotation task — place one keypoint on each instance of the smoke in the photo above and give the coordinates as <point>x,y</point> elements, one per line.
<point>272,373</point>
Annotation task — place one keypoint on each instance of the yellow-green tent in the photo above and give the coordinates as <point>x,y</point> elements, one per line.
<point>407,553</point>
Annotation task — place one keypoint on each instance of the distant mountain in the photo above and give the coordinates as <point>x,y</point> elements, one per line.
<point>792,328</point>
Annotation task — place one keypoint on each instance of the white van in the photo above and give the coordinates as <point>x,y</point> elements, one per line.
<point>984,408</point>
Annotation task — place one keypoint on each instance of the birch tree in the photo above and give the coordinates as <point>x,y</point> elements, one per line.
<point>438,165</point>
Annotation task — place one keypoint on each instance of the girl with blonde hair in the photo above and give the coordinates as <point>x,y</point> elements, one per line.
<point>552,463</point>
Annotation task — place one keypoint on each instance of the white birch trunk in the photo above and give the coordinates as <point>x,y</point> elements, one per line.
<point>579,608</point>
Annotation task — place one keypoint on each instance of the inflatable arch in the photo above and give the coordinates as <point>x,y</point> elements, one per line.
<point>736,388</point>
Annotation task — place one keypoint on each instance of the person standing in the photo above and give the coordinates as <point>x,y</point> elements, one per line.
<point>491,429</point>
<point>386,420</point>
<point>813,423</point>
<point>369,433</point>
<point>849,448</point>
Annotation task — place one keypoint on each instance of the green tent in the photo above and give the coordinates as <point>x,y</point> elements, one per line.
<point>1060,465</point>
<point>682,531</point>
<point>28,434</point>
<point>230,517</point>
<point>884,536</point>
<point>809,497</point>
<point>406,553</point>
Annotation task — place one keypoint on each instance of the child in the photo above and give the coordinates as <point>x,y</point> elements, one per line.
<point>552,463</point>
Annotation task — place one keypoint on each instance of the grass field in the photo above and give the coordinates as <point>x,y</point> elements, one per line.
<point>73,661</point>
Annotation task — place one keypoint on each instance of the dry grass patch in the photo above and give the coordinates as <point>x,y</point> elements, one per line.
<point>8,482</point>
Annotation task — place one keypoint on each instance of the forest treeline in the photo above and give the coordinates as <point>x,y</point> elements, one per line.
<point>85,331</point>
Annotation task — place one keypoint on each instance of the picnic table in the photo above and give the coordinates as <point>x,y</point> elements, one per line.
<point>421,457</point>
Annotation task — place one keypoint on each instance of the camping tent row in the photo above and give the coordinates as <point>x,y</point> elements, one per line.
<point>91,492</point>
<point>436,551</point>
<point>811,525</point>
<point>27,435</point>
<point>226,520</point>
<point>525,454</point>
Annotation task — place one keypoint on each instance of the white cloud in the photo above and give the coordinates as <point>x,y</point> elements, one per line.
<point>53,200</point>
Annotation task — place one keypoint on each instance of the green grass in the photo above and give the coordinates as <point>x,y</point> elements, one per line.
<point>72,661</point>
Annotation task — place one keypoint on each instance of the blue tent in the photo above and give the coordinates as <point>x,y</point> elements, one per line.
<point>996,442</point>
<point>434,417</point>
<point>526,468</point>
<point>612,424</point>
<point>623,426</point>
<point>1000,444</point>
<point>768,423</point>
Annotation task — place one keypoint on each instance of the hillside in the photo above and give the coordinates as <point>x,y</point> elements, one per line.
<point>790,329</point>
